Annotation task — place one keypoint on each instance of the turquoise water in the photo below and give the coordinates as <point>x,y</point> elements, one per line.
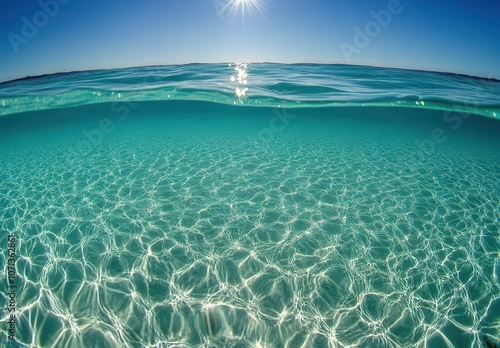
<point>332,206</point>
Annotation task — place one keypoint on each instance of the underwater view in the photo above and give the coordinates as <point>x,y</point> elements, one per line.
<point>250,205</point>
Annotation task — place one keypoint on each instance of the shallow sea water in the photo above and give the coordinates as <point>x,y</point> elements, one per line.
<point>191,224</point>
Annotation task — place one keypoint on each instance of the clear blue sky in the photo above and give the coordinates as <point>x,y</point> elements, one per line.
<point>460,36</point>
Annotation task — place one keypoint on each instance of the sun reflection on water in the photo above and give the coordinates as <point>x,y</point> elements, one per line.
<point>241,77</point>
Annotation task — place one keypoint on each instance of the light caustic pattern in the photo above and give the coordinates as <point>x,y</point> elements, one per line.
<point>164,238</point>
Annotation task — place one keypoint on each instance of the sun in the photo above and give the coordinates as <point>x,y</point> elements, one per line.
<point>231,8</point>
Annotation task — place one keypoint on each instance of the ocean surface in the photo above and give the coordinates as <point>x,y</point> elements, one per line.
<point>251,205</point>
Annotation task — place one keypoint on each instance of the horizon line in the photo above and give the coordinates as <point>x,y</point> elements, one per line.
<point>250,62</point>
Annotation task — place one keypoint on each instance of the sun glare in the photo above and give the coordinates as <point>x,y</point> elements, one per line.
<point>231,8</point>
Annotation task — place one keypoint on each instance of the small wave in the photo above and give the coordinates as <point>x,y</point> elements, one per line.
<point>257,84</point>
